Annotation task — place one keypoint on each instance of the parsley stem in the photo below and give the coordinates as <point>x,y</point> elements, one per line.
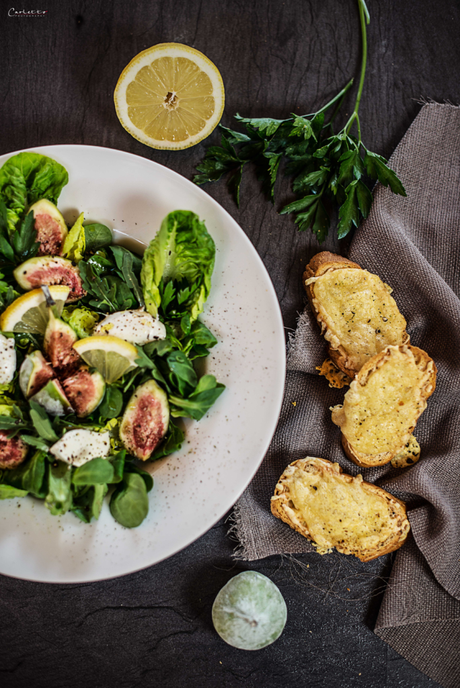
<point>340,95</point>
<point>339,104</point>
<point>364,19</point>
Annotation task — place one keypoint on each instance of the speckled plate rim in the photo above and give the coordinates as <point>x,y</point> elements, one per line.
<point>261,303</point>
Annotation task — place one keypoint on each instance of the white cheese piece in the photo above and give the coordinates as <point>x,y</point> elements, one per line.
<point>136,327</point>
<point>7,359</point>
<point>77,447</point>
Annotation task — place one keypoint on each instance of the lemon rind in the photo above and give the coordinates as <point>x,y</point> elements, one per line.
<point>56,291</point>
<point>106,343</point>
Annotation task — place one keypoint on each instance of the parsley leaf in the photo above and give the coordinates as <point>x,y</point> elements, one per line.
<point>327,169</point>
<point>377,169</point>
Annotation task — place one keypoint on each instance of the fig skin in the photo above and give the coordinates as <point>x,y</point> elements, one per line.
<point>13,451</point>
<point>50,226</point>
<point>58,342</point>
<point>34,373</point>
<point>145,420</point>
<point>53,399</point>
<point>50,270</point>
<point>84,390</point>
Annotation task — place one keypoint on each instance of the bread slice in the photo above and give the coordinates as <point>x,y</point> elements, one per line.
<point>357,315</point>
<point>384,401</point>
<point>333,509</point>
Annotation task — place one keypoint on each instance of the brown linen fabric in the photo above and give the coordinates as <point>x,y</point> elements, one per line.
<point>413,244</point>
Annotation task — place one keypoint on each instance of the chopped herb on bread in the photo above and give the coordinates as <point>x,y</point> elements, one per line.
<point>336,510</point>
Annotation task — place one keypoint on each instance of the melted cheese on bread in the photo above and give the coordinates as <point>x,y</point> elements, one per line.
<point>337,510</point>
<point>334,511</point>
<point>356,313</point>
<point>382,406</point>
<point>336,377</point>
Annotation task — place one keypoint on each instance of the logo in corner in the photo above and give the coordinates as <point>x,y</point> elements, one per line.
<point>12,12</point>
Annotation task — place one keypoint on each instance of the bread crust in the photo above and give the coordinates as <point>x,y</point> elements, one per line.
<point>324,261</point>
<point>320,264</point>
<point>283,508</point>
<point>423,362</point>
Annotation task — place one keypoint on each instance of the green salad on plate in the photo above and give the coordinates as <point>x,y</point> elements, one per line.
<point>97,348</point>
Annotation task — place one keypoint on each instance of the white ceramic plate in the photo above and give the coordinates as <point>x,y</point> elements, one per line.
<point>196,486</point>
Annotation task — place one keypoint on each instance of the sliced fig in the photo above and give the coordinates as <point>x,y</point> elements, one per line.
<point>58,342</point>
<point>53,399</point>
<point>84,390</point>
<point>145,420</point>
<point>34,373</point>
<point>51,227</point>
<point>49,270</point>
<point>13,450</point>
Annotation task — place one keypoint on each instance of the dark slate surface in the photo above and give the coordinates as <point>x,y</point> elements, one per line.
<point>57,78</point>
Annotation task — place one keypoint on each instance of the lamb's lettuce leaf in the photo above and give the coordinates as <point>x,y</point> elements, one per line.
<point>59,497</point>
<point>29,476</point>
<point>177,266</point>
<point>26,178</point>
<point>10,492</point>
<point>87,502</point>
<point>129,504</point>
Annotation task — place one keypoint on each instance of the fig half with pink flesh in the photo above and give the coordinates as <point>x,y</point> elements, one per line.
<point>51,227</point>
<point>34,373</point>
<point>145,420</point>
<point>13,450</point>
<point>53,399</point>
<point>59,340</point>
<point>49,270</point>
<point>84,390</point>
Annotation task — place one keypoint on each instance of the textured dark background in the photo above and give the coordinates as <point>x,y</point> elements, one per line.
<point>58,73</point>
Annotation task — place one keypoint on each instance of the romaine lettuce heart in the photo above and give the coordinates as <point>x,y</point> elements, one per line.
<point>182,252</point>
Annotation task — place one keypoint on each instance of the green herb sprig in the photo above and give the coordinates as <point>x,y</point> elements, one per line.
<point>327,167</point>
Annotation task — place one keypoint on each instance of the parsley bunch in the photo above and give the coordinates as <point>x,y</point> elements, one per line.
<point>327,168</point>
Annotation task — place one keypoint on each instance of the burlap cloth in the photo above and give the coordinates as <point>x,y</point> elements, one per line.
<point>413,244</point>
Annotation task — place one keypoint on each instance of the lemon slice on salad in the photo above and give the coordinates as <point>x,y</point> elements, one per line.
<point>111,356</point>
<point>29,312</point>
<point>170,96</point>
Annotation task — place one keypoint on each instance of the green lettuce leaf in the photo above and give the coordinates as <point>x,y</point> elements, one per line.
<point>75,243</point>
<point>26,178</point>
<point>181,255</point>
<point>80,319</point>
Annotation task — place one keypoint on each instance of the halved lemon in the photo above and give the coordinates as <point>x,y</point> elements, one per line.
<point>29,312</point>
<point>170,96</point>
<point>111,356</point>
